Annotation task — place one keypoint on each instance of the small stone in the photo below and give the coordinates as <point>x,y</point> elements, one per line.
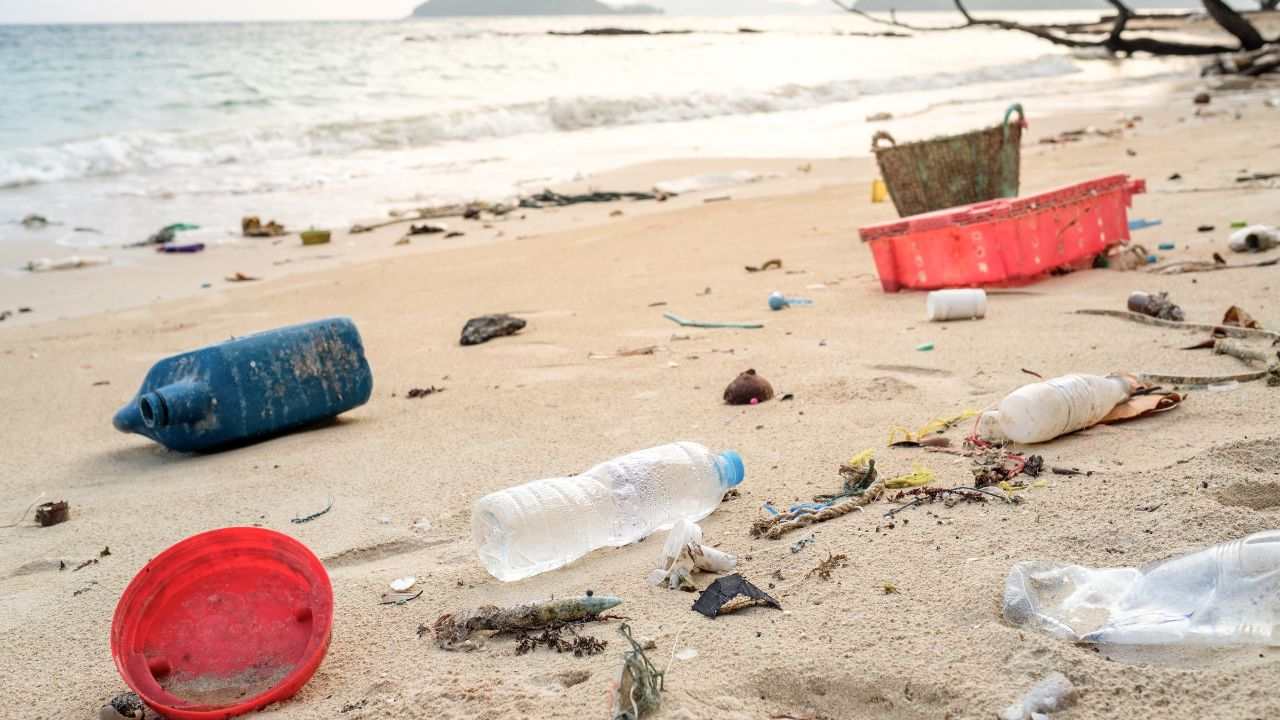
<point>487,327</point>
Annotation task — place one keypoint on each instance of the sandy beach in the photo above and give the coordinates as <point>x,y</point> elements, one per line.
<point>403,473</point>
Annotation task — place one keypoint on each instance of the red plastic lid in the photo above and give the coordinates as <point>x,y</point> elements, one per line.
<point>223,623</point>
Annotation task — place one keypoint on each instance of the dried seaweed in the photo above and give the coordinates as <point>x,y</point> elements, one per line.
<point>826,567</point>
<point>453,630</point>
<point>553,638</point>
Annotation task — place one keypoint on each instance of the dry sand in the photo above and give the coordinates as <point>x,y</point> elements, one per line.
<point>534,405</point>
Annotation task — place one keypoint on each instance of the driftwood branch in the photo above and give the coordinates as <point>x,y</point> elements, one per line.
<point>1077,35</point>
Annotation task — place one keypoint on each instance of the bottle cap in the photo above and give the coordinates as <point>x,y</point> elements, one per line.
<point>731,468</point>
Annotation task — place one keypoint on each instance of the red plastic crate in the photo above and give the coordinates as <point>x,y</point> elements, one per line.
<point>1003,241</point>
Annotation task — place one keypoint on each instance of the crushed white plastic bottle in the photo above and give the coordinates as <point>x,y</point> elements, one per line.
<point>1225,595</point>
<point>1055,692</point>
<point>1255,238</point>
<point>543,525</point>
<point>1042,411</point>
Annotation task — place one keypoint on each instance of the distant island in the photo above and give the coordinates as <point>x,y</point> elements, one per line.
<point>491,8</point>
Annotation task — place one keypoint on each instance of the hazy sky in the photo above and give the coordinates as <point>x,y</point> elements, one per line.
<point>52,11</point>
<point>90,11</point>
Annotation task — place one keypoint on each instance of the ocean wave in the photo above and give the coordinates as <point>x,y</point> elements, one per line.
<point>134,152</point>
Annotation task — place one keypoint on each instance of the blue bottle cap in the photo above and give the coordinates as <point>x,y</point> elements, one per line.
<point>731,468</point>
<point>777,301</point>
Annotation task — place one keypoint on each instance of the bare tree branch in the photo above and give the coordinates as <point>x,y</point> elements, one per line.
<point>1234,23</point>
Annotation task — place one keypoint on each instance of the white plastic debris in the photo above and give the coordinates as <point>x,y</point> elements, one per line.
<point>686,654</point>
<point>404,583</point>
<point>1225,595</point>
<point>1055,692</point>
<point>1255,238</point>
<point>683,553</point>
<point>67,263</point>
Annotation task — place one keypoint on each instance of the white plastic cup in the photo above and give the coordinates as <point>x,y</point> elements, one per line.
<point>966,304</point>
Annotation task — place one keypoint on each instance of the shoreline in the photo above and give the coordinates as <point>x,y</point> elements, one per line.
<point>138,276</point>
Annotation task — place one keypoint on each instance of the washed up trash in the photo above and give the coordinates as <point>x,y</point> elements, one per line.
<point>165,235</point>
<point>639,688</point>
<point>721,597</point>
<point>34,221</point>
<point>487,327</point>
<point>879,191</point>
<point>1254,238</point>
<point>778,301</point>
<point>683,554</point>
<point>1006,240</point>
<point>1237,317</point>
<point>925,347</point>
<point>682,322</point>
<point>773,264</point>
<point>400,597</point>
<point>453,631</point>
<point>1055,692</point>
<point>251,388</point>
<point>196,630</point>
<point>748,389</point>
<point>1166,246</point>
<point>1157,305</point>
<point>315,237</point>
<point>550,198</point>
<point>543,525</point>
<point>241,277</point>
<point>187,248</point>
<point>1225,595</point>
<point>74,262</point>
<point>702,183</point>
<point>252,226</point>
<point>404,583</point>
<point>900,436</point>
<point>1143,223</point>
<point>1123,258</point>
<point>52,513</point>
<point>626,352</point>
<point>427,229</point>
<point>959,304</point>
<point>1042,411</point>
<point>861,486</point>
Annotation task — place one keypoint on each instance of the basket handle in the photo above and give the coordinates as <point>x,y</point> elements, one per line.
<point>1022,118</point>
<point>882,135</point>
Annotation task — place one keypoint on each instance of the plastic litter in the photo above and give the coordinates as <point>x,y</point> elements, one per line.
<point>546,524</point>
<point>682,322</point>
<point>719,598</point>
<point>1042,411</point>
<point>223,623</point>
<point>1143,223</point>
<point>1224,595</point>
<point>1003,240</point>
<point>683,554</point>
<point>252,226</point>
<point>778,301</point>
<point>1254,238</point>
<point>639,686</point>
<point>188,248</point>
<point>250,388</point>
<point>315,237</point>
<point>75,262</point>
<point>1055,692</point>
<point>487,327</point>
<point>404,583</point>
<point>960,304</point>
<point>1157,305</point>
<point>52,513</point>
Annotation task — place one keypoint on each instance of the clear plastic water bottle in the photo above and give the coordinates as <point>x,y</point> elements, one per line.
<point>546,524</point>
<point>1228,594</point>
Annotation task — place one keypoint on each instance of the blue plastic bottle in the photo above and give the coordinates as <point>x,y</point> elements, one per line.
<point>252,387</point>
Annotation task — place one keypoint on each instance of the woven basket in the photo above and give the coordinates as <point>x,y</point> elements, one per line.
<point>952,170</point>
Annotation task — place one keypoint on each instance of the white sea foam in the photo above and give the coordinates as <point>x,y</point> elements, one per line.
<point>142,151</point>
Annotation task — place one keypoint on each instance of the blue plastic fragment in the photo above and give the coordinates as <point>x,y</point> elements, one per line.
<point>1143,223</point>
